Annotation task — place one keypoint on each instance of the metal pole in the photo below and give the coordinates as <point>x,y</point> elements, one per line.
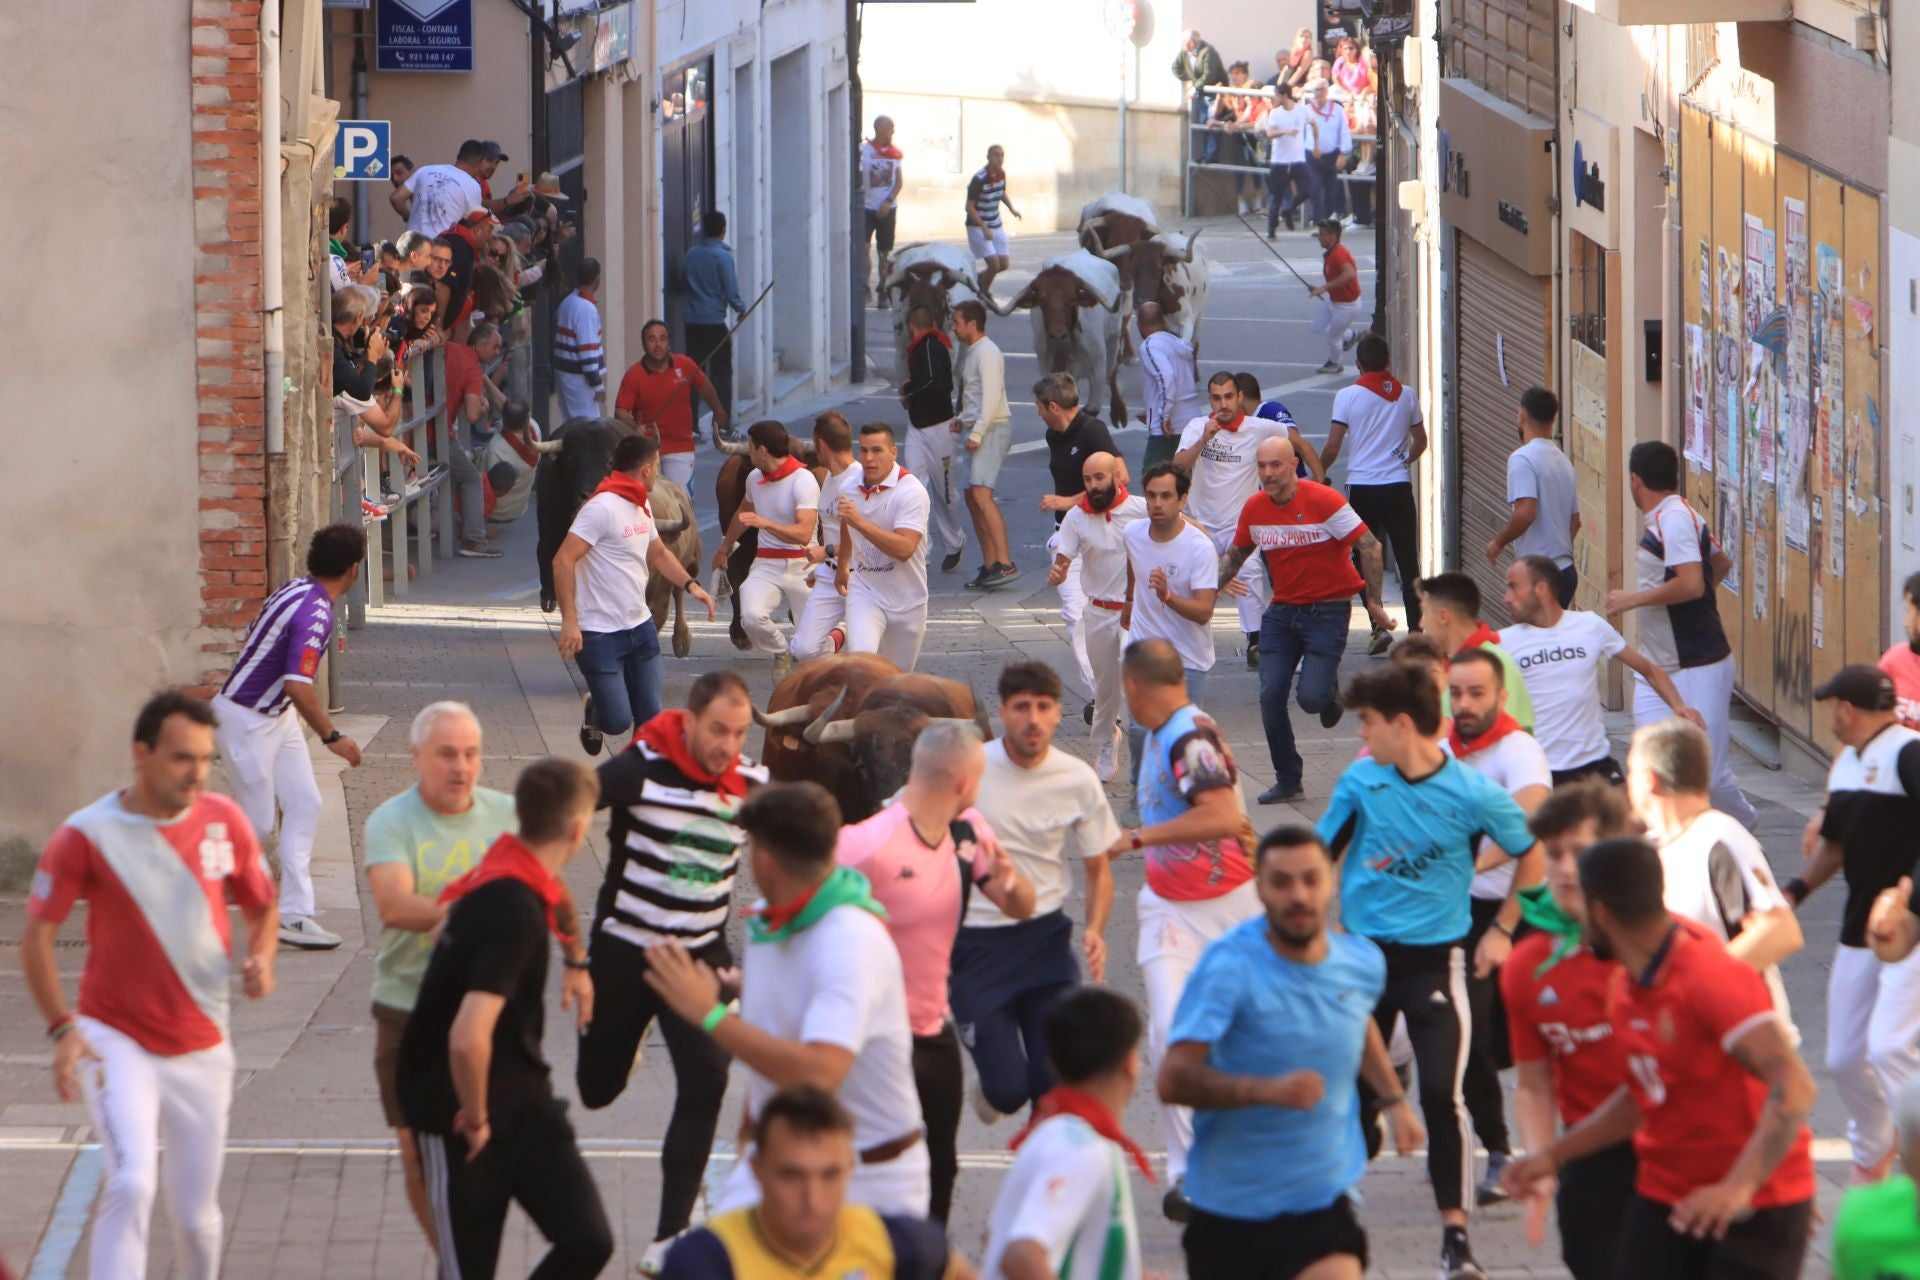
<point>857,222</point>
<point>362,213</point>
<point>540,372</point>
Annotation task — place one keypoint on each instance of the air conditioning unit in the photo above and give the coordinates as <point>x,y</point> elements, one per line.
<point>1413,61</point>
<point>1865,32</point>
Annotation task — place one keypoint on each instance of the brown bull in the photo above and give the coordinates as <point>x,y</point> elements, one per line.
<point>848,722</point>
<point>729,493</point>
<point>673,521</point>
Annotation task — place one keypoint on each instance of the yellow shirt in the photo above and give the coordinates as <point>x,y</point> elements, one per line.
<point>866,1246</point>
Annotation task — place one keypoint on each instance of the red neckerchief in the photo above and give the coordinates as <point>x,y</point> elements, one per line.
<point>626,486</point>
<point>1235,425</point>
<point>1062,1100</point>
<point>868,490</point>
<point>945,341</point>
<point>787,467</point>
<point>1382,384</point>
<point>1119,496</point>
<point>508,859</point>
<point>777,918</point>
<point>666,734</point>
<point>1502,726</point>
<point>1483,636</point>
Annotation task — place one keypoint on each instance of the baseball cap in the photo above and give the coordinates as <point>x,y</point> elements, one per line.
<point>490,150</point>
<point>1868,688</point>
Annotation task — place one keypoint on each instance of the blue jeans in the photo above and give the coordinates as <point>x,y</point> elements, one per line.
<point>624,676</point>
<point>1137,733</point>
<point>1303,638</point>
<point>1206,142</point>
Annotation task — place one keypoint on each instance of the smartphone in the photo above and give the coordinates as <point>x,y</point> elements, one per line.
<point>366,257</point>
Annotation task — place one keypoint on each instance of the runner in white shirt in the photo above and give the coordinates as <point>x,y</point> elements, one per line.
<point>1383,417</point>
<point>1047,809</point>
<point>783,503</point>
<point>1560,654</point>
<point>882,569</point>
<point>1716,872</point>
<point>1065,1209</point>
<point>1092,535</point>
<point>1219,452</point>
<point>819,630</point>
<point>823,1000</point>
<point>1176,575</point>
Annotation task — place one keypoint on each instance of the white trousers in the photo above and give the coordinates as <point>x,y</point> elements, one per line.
<point>1873,1043</point>
<point>1172,936</point>
<point>267,761</point>
<point>1709,690</point>
<point>932,456</point>
<point>1106,641</point>
<point>141,1102</point>
<point>1332,321</point>
<point>1253,605</point>
<point>770,581</point>
<point>1073,607</point>
<point>678,467</point>
<point>902,1186</point>
<point>577,399</point>
<point>825,609</point>
<point>894,634</point>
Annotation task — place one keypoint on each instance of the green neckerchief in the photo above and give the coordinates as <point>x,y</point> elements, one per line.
<point>1538,909</point>
<point>843,887</point>
<point>337,247</point>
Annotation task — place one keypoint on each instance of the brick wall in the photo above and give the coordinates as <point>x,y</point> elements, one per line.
<point>227,322</point>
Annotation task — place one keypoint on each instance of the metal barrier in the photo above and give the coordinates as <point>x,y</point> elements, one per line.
<point>417,509</point>
<point>1254,139</point>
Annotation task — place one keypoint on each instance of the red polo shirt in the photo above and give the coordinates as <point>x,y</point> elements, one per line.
<point>664,398</point>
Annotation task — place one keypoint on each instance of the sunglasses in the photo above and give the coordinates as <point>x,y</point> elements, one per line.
<point>498,257</point>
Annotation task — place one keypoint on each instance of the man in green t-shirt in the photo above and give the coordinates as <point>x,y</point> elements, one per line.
<point>1450,613</point>
<point>417,843</point>
<point>1877,1233</point>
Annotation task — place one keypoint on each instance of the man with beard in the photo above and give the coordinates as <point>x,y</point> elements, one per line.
<point>1272,1035</point>
<point>656,399</point>
<point>1073,435</point>
<point>1092,538</point>
<point>1902,661</point>
<point>1716,1098</point>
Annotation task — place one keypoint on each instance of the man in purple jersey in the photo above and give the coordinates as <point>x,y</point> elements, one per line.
<point>265,751</point>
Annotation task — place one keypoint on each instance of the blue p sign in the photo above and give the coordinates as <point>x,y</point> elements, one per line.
<point>361,149</point>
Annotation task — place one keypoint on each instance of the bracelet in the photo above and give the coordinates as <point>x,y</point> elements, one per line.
<point>715,1016</point>
<point>1796,890</point>
<point>576,964</point>
<point>1502,928</point>
<point>59,1028</point>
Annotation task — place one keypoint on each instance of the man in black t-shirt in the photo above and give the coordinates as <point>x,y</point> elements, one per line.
<point>1073,436</point>
<point>473,1086</point>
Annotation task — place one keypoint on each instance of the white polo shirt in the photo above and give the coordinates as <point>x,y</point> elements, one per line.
<point>1225,476</point>
<point>898,503</point>
<point>610,588</point>
<point>1097,542</point>
<point>1516,762</point>
<point>782,501</point>
<point>1379,433</point>
<point>1561,666</point>
<point>1190,562</point>
<point>1042,816</point>
<point>831,491</point>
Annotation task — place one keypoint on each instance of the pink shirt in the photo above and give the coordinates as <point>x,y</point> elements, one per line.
<point>1903,665</point>
<point>919,885</point>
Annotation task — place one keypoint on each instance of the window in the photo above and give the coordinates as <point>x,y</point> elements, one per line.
<point>1587,294</point>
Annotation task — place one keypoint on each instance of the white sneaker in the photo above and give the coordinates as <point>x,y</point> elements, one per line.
<point>1107,764</point>
<point>303,933</point>
<point>988,1113</point>
<point>654,1260</point>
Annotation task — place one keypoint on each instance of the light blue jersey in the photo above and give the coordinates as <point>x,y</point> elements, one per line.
<point>1261,1015</point>
<point>1407,847</point>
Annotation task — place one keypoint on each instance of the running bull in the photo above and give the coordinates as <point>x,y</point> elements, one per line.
<point>1077,326</point>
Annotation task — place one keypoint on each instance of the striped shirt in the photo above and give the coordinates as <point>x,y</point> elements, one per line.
<point>985,193</point>
<point>576,340</point>
<point>672,850</point>
<point>284,645</point>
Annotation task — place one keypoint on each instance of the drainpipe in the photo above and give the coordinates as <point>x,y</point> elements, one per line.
<point>272,293</point>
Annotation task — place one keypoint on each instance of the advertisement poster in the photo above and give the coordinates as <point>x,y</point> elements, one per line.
<point>1727,283</point>
<point>1726,412</point>
<point>1757,405</point>
<point>1829,404</point>
<point>424,35</point>
<point>1796,522</point>
<point>1728,525</point>
<point>1706,282</point>
<point>1699,418</point>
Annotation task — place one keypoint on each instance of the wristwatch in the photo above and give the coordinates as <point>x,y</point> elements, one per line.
<point>332,738</point>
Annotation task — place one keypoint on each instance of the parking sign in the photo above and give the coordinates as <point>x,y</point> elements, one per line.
<point>361,150</point>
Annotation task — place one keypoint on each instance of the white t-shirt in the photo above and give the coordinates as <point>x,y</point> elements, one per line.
<point>1538,470</point>
<point>831,491</point>
<point>1098,543</point>
<point>1561,666</point>
<point>899,502</point>
<point>782,501</point>
<point>442,196</point>
<point>1716,872</point>
<point>1042,816</point>
<point>1688,634</point>
<point>1225,476</point>
<point>839,982</point>
<point>1516,762</point>
<point>1287,126</point>
<point>1189,561</point>
<point>1066,1190</point>
<point>1379,433</point>
<point>610,589</point>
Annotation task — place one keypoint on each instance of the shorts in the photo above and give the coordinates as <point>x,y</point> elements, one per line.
<point>880,228</point>
<point>389,1024</point>
<point>1279,1248</point>
<point>983,464</point>
<point>1767,1244</point>
<point>991,243</point>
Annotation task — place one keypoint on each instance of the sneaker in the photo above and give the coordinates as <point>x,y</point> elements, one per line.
<point>988,1113</point>
<point>951,563</point>
<point>979,581</point>
<point>591,739</point>
<point>480,551</point>
<point>1456,1257</point>
<point>1106,764</point>
<point>654,1260</point>
<point>1379,642</point>
<point>1175,1204</point>
<point>1331,716</point>
<point>372,510</point>
<point>1282,793</point>
<point>1352,340</point>
<point>1002,574</point>
<point>303,934</point>
<point>1490,1191</point>
<point>1253,650</point>
<point>782,663</point>
<point>1243,206</point>
<point>1331,366</point>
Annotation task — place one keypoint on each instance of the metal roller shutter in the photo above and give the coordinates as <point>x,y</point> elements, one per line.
<point>1501,340</point>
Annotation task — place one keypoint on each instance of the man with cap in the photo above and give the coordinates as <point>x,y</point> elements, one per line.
<point>1873,809</point>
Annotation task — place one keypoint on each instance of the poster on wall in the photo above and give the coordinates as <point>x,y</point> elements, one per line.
<point>1727,288</point>
<point>1757,310</point>
<point>1726,410</point>
<point>1796,447</point>
<point>424,35</point>
<point>1830,365</point>
<point>1728,521</point>
<point>1706,282</point>
<point>1699,419</point>
<point>1757,412</point>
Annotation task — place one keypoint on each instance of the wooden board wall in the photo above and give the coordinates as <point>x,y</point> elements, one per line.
<point>1726,181</point>
<point>1827,227</point>
<point>1866,427</point>
<point>1792,628</point>
<point>1762,597</point>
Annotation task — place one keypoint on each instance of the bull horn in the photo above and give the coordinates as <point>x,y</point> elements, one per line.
<point>545,446</point>
<point>998,308</point>
<point>838,731</point>
<point>670,528</point>
<point>822,729</point>
<point>739,447</point>
<point>1090,231</point>
<point>1188,255</point>
<point>784,718</point>
<point>1115,252</point>
<point>980,721</point>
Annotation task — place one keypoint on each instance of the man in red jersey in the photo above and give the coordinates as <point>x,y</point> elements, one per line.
<point>1716,1097</point>
<point>157,863</point>
<point>1564,1053</point>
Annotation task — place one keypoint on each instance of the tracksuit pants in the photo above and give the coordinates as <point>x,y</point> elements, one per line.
<point>1709,690</point>
<point>935,455</point>
<point>894,634</point>
<point>1004,980</point>
<point>825,609</point>
<point>941,1082</point>
<point>1487,1050</point>
<point>1427,985</point>
<point>771,580</point>
<point>267,763</point>
<point>1390,515</point>
<point>1873,1043</point>
<point>139,1102</point>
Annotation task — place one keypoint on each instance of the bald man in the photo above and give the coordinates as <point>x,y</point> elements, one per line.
<point>1307,534</point>
<point>1091,535</point>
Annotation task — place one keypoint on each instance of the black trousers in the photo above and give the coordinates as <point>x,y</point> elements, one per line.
<point>940,1081</point>
<point>1569,583</point>
<point>1323,177</point>
<point>1487,1053</point>
<point>1606,768</point>
<point>1286,192</point>
<point>702,341</point>
<point>1427,985</point>
<point>1768,1244</point>
<point>1592,1208</point>
<point>1389,514</point>
<point>624,1006</point>
<point>537,1164</point>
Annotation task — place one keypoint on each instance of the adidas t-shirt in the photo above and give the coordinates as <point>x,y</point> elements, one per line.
<point>1561,666</point>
